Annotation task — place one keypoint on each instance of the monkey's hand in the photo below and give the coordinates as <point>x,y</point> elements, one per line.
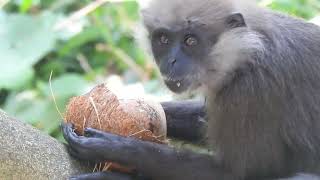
<point>95,146</point>
<point>98,146</point>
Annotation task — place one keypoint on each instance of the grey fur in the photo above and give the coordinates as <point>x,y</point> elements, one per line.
<point>303,177</point>
<point>264,95</point>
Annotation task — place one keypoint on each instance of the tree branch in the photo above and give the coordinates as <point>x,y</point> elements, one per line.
<point>26,153</point>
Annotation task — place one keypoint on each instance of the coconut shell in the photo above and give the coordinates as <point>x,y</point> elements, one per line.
<point>101,109</point>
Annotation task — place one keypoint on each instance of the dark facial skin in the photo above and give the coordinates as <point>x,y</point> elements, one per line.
<point>180,53</point>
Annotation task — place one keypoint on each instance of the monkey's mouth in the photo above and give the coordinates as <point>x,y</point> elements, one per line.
<point>177,86</point>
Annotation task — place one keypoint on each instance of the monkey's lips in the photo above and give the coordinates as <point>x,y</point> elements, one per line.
<point>177,86</point>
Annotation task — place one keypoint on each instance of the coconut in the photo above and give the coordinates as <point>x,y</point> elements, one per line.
<point>101,109</point>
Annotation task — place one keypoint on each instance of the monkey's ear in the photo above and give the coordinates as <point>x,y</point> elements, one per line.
<point>236,20</point>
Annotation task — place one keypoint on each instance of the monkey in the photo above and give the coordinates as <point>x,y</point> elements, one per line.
<point>260,73</point>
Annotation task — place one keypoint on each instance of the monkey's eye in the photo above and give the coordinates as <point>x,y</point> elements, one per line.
<point>163,39</point>
<point>191,40</point>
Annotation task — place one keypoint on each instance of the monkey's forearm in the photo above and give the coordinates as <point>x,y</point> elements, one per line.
<point>163,162</point>
<point>186,119</point>
<point>153,160</point>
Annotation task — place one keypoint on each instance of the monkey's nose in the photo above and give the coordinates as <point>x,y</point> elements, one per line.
<point>173,61</point>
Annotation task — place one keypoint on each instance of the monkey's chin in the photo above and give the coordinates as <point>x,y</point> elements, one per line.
<point>177,86</point>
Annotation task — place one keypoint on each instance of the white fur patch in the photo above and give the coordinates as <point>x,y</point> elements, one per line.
<point>233,49</point>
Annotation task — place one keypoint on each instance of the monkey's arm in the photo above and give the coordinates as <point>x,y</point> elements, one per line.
<point>186,120</point>
<point>154,160</point>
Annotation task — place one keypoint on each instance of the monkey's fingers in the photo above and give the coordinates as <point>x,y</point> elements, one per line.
<point>90,132</point>
<point>78,143</point>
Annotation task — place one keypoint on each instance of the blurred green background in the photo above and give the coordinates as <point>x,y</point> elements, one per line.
<point>83,43</point>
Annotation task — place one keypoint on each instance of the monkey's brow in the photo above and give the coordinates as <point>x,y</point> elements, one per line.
<point>177,26</point>
<point>193,22</point>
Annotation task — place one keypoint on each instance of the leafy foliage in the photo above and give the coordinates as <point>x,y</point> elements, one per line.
<point>81,48</point>
<point>302,8</point>
<point>17,50</point>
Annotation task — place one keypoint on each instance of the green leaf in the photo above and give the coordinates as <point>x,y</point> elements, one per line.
<point>66,86</point>
<point>31,109</point>
<point>24,41</point>
<point>40,111</point>
<point>25,5</point>
<point>89,34</point>
<point>14,76</point>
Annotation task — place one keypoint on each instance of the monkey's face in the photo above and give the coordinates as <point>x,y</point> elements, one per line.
<point>184,35</point>
<point>179,54</point>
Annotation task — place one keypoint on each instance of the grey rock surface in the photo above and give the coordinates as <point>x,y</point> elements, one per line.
<point>26,153</point>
